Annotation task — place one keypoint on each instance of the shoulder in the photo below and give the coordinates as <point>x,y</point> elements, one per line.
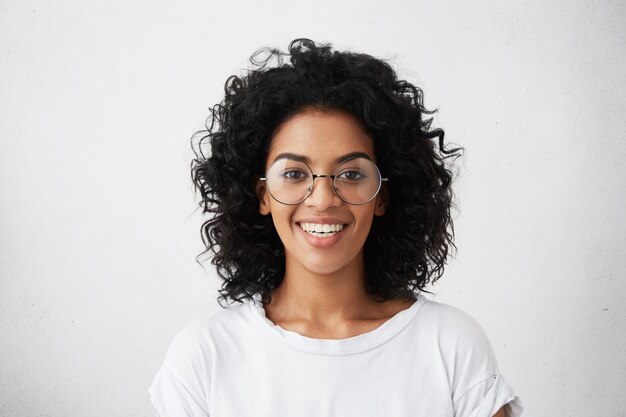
<point>182,384</point>
<point>195,341</point>
<point>462,343</point>
<point>459,346</point>
<point>452,324</point>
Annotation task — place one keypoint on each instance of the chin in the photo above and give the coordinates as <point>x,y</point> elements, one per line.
<point>322,265</point>
<point>322,269</point>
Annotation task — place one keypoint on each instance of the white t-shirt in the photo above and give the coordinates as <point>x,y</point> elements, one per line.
<point>430,360</point>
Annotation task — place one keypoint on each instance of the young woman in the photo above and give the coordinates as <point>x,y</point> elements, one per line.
<point>330,213</point>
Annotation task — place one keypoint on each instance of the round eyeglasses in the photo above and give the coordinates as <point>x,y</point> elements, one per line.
<point>355,181</point>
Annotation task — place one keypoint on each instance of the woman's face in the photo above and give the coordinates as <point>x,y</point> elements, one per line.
<point>322,138</point>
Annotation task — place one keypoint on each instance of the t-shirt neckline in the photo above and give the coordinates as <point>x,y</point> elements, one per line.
<point>350,345</point>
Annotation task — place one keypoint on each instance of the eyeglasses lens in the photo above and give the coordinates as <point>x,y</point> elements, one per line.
<point>356,181</point>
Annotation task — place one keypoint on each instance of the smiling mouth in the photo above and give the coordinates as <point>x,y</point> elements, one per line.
<point>318,230</point>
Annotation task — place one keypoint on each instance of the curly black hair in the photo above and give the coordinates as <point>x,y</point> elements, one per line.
<point>406,248</point>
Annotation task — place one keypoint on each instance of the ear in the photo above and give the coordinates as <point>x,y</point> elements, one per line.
<point>263,196</point>
<point>382,199</point>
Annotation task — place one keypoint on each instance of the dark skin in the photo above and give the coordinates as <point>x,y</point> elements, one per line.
<point>500,413</point>
<point>346,329</point>
<point>323,291</point>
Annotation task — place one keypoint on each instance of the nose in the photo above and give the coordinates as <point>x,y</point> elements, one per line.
<point>323,195</point>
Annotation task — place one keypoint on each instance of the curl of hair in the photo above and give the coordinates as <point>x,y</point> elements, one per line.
<point>406,248</point>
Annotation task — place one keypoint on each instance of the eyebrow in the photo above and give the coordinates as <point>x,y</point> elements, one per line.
<point>307,160</point>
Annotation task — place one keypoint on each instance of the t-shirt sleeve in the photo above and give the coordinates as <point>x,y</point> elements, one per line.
<point>479,390</point>
<point>171,397</point>
<point>487,397</point>
<point>180,386</point>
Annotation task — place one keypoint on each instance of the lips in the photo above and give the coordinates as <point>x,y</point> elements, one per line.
<point>323,242</point>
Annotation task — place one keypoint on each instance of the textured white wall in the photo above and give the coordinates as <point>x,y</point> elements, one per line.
<point>99,227</point>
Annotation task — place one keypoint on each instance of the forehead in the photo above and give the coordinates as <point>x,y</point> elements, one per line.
<point>322,136</point>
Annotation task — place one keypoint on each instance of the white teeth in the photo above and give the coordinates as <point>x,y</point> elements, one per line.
<point>321,234</point>
<point>321,230</point>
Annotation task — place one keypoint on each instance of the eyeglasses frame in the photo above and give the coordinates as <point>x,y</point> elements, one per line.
<point>333,176</point>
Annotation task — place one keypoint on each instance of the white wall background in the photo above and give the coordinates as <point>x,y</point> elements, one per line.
<point>98,221</point>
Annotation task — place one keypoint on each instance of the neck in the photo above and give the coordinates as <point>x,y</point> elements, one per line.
<point>322,298</point>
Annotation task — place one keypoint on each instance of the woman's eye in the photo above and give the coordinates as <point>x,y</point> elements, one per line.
<point>294,175</point>
<point>351,175</point>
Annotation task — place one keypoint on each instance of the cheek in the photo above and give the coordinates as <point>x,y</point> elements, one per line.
<point>282,217</point>
<point>364,218</point>
<point>366,213</point>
